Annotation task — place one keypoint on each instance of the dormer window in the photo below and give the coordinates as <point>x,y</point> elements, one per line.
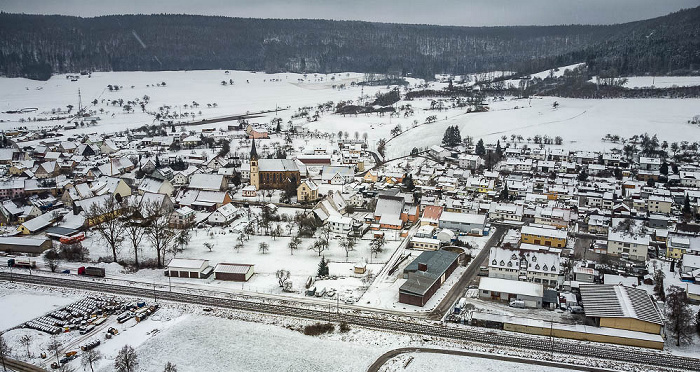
<point>510,263</point>
<point>513,257</point>
<point>494,263</point>
<point>544,267</point>
<point>537,267</point>
<point>503,263</point>
<point>554,268</point>
<point>534,259</point>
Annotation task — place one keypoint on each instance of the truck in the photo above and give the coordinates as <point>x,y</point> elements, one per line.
<point>25,262</point>
<point>91,271</point>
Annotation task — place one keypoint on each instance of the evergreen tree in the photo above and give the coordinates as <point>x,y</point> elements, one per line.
<point>505,194</point>
<point>686,205</point>
<point>659,291</point>
<point>480,149</point>
<point>499,150</point>
<point>582,176</point>
<point>679,315</point>
<point>157,162</point>
<point>322,267</point>
<point>664,168</point>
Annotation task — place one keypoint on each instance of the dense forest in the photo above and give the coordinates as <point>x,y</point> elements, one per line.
<point>37,46</point>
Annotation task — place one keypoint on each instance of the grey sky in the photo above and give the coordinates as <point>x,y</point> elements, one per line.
<point>443,12</point>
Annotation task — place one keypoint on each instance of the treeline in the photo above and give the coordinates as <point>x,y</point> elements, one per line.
<point>36,46</point>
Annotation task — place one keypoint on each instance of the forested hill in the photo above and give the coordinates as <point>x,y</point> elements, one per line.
<point>36,46</point>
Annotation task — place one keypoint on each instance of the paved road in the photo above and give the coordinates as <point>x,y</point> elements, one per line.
<point>468,275</point>
<point>393,353</point>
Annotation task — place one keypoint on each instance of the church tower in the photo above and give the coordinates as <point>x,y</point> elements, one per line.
<point>254,172</point>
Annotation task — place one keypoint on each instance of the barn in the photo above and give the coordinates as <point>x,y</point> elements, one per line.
<point>425,276</point>
<point>188,268</point>
<point>24,245</point>
<point>233,272</point>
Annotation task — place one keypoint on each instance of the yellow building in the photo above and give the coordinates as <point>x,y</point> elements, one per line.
<point>370,177</point>
<point>307,191</point>
<point>676,246</point>
<point>621,307</point>
<point>543,235</point>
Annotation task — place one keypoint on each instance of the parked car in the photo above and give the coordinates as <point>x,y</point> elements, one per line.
<point>517,303</point>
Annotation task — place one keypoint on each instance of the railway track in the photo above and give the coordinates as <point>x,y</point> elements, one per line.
<point>404,324</point>
<point>17,366</point>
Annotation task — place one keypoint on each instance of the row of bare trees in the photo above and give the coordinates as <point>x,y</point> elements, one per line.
<point>118,221</point>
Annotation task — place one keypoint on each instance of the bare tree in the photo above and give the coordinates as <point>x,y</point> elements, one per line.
<point>134,229</point>
<point>319,245</point>
<point>89,358</point>
<point>294,244</point>
<point>103,216</point>
<point>126,360</point>
<point>159,233</point>
<point>26,341</point>
<point>209,246</point>
<point>348,244</point>
<point>377,245</point>
<point>5,351</point>
<point>51,258</point>
<point>169,367</point>
<point>53,346</point>
<point>679,316</point>
<point>282,276</point>
<point>263,247</point>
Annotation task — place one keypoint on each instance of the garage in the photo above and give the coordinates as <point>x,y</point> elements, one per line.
<point>233,272</point>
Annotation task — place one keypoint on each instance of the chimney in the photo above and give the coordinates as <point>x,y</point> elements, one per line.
<point>422,266</point>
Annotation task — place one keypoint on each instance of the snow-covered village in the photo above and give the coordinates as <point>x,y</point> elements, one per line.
<point>309,220</point>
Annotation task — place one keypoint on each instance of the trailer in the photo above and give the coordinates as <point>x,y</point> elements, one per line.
<point>91,271</point>
<point>72,239</point>
<point>21,262</point>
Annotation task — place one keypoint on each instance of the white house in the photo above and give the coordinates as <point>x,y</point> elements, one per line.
<point>339,224</point>
<point>223,215</point>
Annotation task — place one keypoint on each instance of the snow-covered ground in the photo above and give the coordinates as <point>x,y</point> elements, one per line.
<point>580,122</point>
<point>418,362</point>
<point>18,308</point>
<point>224,340</point>
<point>251,92</point>
<point>659,81</point>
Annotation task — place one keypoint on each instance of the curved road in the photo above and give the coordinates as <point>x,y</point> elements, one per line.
<point>393,353</point>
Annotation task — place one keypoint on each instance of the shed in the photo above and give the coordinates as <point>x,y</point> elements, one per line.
<point>233,272</point>
<point>189,268</point>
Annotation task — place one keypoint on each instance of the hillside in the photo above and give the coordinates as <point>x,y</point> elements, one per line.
<point>37,46</point>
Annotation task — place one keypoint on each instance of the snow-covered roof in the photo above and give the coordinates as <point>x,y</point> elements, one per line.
<point>466,218</point>
<point>511,286</point>
<point>187,263</point>
<point>231,268</point>
<point>203,181</point>
<point>277,165</point>
<point>544,231</point>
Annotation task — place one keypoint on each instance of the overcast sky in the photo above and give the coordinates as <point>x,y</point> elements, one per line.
<point>442,12</point>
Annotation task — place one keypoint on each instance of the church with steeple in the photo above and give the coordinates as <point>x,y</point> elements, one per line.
<point>269,174</point>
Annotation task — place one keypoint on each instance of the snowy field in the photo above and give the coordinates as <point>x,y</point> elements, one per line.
<point>580,122</point>
<point>440,362</point>
<point>18,308</point>
<point>251,92</point>
<point>659,81</point>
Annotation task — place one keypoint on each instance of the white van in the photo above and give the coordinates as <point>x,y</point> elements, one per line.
<point>517,303</point>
